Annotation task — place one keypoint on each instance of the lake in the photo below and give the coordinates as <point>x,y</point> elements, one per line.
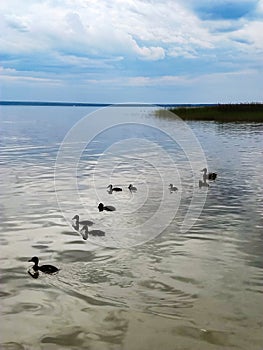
<point>167,269</point>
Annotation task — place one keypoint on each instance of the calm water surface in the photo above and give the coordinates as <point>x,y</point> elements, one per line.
<point>201,289</point>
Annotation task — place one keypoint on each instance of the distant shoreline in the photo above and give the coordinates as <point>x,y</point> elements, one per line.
<point>240,112</point>
<point>232,112</point>
<point>97,104</point>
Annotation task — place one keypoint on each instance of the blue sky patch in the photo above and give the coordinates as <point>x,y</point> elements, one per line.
<point>226,10</point>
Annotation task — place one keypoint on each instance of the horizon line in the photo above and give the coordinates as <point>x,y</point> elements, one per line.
<point>99,104</point>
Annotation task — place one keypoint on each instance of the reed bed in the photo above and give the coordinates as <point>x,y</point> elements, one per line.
<point>241,112</point>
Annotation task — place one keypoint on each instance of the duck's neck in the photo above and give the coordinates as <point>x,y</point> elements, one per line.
<point>36,267</point>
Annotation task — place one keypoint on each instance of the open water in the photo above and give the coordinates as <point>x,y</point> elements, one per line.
<point>155,278</point>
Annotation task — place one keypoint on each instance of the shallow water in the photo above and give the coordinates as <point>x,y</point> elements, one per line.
<point>146,284</point>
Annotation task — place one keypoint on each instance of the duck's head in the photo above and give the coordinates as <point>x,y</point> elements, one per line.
<point>76,217</point>
<point>100,206</point>
<point>110,186</point>
<point>171,185</point>
<point>34,259</point>
<point>204,170</point>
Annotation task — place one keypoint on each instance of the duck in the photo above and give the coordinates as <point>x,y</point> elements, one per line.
<point>115,189</point>
<point>43,268</point>
<point>77,223</point>
<point>102,207</point>
<point>132,188</point>
<point>85,232</point>
<point>209,176</point>
<point>173,188</point>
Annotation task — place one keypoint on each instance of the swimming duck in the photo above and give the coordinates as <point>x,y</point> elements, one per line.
<point>43,268</point>
<point>85,232</point>
<point>173,188</point>
<point>102,207</point>
<point>116,189</point>
<point>132,188</point>
<point>209,176</point>
<point>77,223</point>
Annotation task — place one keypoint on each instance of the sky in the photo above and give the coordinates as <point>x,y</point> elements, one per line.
<point>166,51</point>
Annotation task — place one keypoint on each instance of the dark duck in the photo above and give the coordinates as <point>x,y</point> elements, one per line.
<point>114,189</point>
<point>208,176</point>
<point>43,268</point>
<point>102,207</point>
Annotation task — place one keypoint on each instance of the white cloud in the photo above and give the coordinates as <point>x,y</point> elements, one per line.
<point>252,32</point>
<point>260,7</point>
<point>135,27</point>
<point>113,42</point>
<point>17,22</point>
<point>10,74</point>
<point>177,81</point>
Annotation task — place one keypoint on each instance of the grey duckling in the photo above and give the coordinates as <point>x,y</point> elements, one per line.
<point>83,222</point>
<point>173,188</point>
<point>85,232</point>
<point>132,188</point>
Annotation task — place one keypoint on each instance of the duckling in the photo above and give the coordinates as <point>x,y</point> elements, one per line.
<point>102,207</point>
<point>43,268</point>
<point>115,189</point>
<point>85,232</point>
<point>132,188</point>
<point>209,176</point>
<point>172,188</point>
<point>77,223</point>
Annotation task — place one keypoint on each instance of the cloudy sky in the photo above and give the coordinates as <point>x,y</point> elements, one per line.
<point>166,51</point>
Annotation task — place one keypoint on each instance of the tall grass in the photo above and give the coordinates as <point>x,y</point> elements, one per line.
<point>241,112</point>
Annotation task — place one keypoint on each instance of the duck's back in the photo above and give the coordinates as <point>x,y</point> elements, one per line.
<point>48,269</point>
<point>212,176</point>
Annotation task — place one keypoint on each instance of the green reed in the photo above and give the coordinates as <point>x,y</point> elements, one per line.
<point>241,112</point>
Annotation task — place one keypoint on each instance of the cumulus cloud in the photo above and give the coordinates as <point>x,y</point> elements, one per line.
<point>98,28</point>
<point>113,40</point>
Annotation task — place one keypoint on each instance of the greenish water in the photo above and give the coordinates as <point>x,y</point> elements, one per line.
<point>199,289</point>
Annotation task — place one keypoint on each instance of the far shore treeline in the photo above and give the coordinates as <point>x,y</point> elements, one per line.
<point>221,112</point>
<point>241,112</point>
